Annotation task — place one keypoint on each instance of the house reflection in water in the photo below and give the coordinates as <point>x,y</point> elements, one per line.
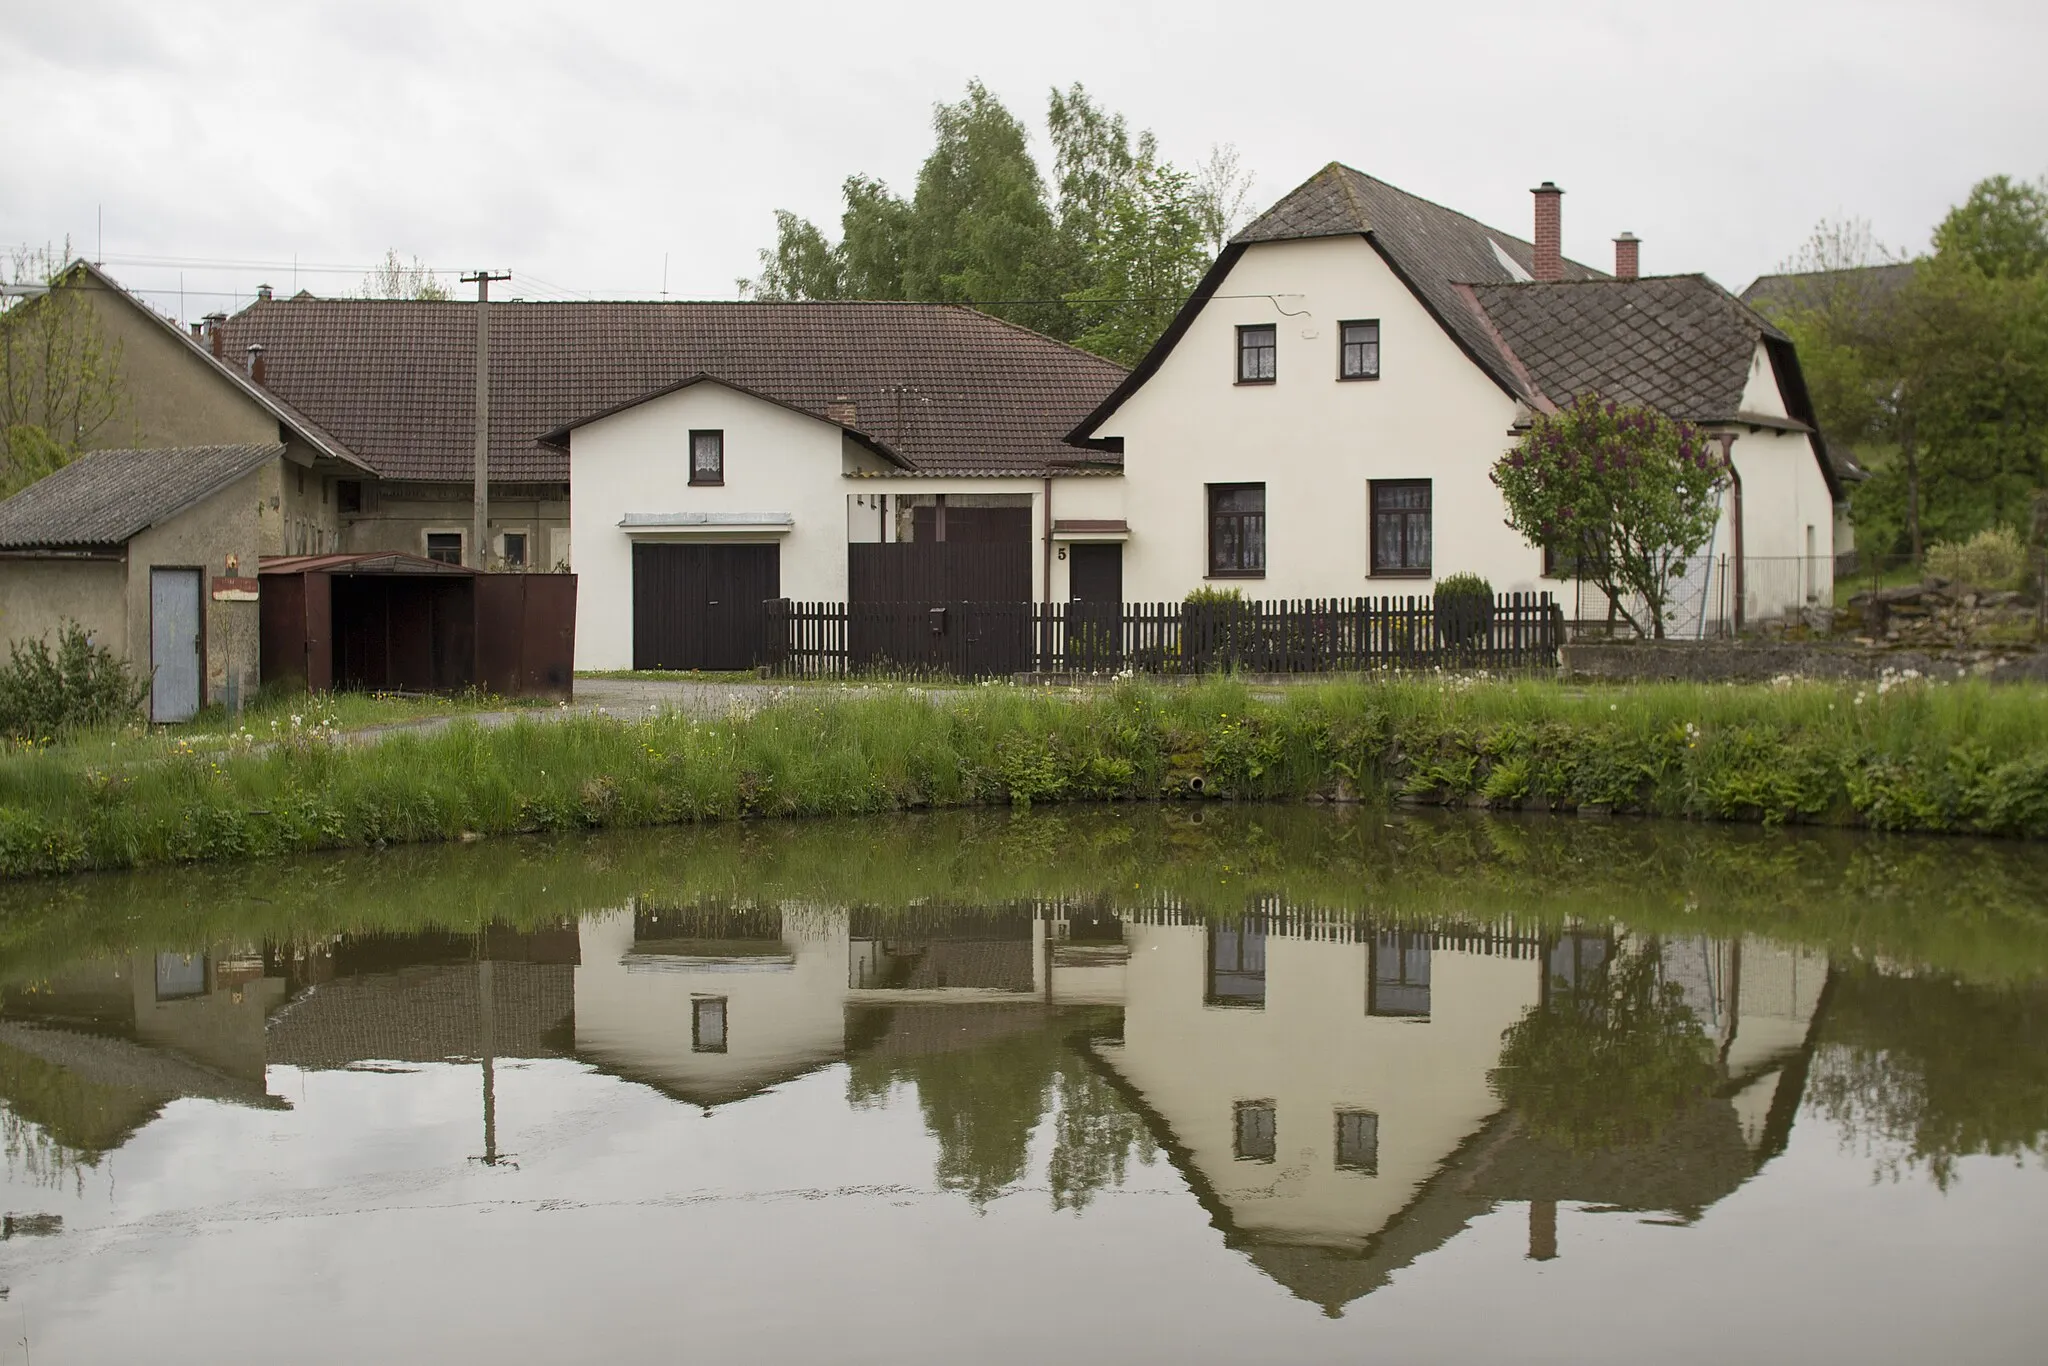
<point>1328,1087</point>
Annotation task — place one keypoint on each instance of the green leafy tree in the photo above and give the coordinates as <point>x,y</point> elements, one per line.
<point>1611,1061</point>
<point>1626,494</point>
<point>1102,255</point>
<point>981,229</point>
<point>60,373</point>
<point>1927,1070</point>
<point>801,265</point>
<point>1146,256</point>
<point>2001,230</point>
<point>396,278</point>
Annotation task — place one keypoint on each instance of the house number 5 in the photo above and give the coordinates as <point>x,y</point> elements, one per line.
<point>1063,552</point>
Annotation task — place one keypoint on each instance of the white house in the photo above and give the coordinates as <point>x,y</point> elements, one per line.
<point>1321,417</point>
<point>1318,421</point>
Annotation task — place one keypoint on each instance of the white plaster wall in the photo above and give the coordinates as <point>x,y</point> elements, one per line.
<point>637,1019</point>
<point>638,461</point>
<point>1783,494</point>
<point>1312,1051</point>
<point>1315,441</point>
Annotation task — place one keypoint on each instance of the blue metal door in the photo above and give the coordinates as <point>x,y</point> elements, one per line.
<point>174,658</point>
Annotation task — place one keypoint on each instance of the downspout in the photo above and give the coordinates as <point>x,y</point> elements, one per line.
<point>1727,440</point>
<point>1045,580</point>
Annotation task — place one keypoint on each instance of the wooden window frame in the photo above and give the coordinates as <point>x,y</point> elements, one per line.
<point>1238,360</point>
<point>1343,372</point>
<point>1372,518</point>
<point>525,549</point>
<point>697,1007</point>
<point>1368,1167</point>
<point>695,477</point>
<point>1403,941</point>
<point>1209,492</point>
<point>461,543</point>
<point>1237,1145</point>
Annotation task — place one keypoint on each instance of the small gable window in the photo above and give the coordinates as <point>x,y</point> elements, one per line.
<point>1256,350</point>
<point>1359,351</point>
<point>707,457</point>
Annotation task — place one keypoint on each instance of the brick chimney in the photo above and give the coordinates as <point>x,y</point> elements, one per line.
<point>213,323</point>
<point>1628,256</point>
<point>843,411</point>
<point>1549,231</point>
<point>263,293</point>
<point>256,362</point>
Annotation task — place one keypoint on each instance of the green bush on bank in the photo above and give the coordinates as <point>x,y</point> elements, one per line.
<point>1907,756</point>
<point>45,693</point>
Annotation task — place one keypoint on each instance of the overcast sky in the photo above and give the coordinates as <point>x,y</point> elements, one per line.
<point>577,145</point>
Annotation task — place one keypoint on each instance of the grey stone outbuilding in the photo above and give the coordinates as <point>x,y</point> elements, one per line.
<point>155,553</point>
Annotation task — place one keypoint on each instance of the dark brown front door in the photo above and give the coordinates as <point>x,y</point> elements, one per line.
<point>700,606</point>
<point>1095,592</point>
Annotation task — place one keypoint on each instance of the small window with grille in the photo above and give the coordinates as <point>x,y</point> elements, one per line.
<point>707,457</point>
<point>1359,350</point>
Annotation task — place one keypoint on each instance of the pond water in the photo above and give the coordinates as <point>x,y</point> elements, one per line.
<point>1238,1085</point>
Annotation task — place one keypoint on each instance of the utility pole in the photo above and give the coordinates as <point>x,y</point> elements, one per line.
<point>479,538</point>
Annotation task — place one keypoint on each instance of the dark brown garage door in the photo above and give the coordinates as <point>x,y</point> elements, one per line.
<point>699,606</point>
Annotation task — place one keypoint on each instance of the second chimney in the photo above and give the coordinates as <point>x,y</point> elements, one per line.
<point>1628,258</point>
<point>842,410</point>
<point>213,323</point>
<point>256,362</point>
<point>1549,232</point>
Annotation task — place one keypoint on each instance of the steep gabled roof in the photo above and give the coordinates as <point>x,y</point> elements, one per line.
<point>302,426</point>
<point>1430,249</point>
<point>108,497</point>
<point>940,385</point>
<point>559,436</point>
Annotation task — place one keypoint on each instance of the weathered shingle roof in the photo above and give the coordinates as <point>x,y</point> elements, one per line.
<point>107,497</point>
<point>1864,285</point>
<point>1677,343</point>
<point>944,386</point>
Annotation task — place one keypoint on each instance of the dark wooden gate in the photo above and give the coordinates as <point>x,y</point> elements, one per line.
<point>940,577</point>
<point>700,606</point>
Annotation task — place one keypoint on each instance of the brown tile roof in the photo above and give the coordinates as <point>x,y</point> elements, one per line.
<point>944,386</point>
<point>1677,343</point>
<point>104,498</point>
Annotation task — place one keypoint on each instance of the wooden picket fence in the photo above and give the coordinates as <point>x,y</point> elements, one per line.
<point>1332,635</point>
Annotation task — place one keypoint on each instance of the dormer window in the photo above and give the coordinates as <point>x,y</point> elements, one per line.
<point>707,457</point>
<point>1256,352</point>
<point>1359,351</point>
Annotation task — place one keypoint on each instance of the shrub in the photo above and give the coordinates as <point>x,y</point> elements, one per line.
<point>78,685</point>
<point>1994,558</point>
<point>1464,609</point>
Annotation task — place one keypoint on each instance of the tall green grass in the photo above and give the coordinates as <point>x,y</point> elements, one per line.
<point>1960,758</point>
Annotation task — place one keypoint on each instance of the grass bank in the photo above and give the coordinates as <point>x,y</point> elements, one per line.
<point>1962,758</point>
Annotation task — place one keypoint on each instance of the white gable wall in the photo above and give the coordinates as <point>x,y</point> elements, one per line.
<point>1314,440</point>
<point>1788,511</point>
<point>638,461</point>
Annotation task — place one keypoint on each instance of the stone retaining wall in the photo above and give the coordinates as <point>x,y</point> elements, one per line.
<point>1760,661</point>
